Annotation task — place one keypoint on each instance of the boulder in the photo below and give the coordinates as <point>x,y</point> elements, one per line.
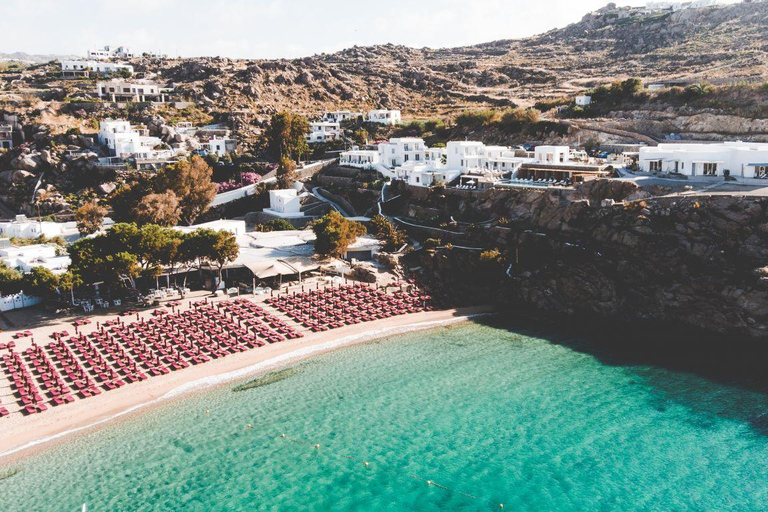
<point>21,176</point>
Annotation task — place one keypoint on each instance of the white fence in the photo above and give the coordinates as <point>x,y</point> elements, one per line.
<point>17,301</point>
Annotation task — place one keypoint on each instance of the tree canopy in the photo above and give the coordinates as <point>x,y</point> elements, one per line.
<point>286,136</point>
<point>335,233</point>
<point>162,209</point>
<point>128,251</point>
<point>191,182</point>
<point>384,230</point>
<point>90,218</point>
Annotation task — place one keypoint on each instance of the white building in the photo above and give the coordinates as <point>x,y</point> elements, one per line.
<point>236,227</point>
<point>338,116</point>
<point>22,227</point>
<point>107,52</point>
<point>740,159</point>
<point>583,101</point>
<point>465,155</point>
<point>323,131</point>
<point>360,158</point>
<point>6,136</point>
<point>125,90</point>
<point>75,68</point>
<point>552,154</point>
<point>389,117</point>
<point>285,203</point>
<point>424,175</point>
<point>125,141</point>
<point>25,258</point>
<point>221,146</point>
<point>399,151</point>
<point>408,159</point>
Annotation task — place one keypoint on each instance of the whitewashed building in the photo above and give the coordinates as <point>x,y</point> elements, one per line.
<point>583,100</point>
<point>409,159</point>
<point>552,154</point>
<point>221,146</point>
<point>285,203</point>
<point>338,116</point>
<point>388,117</point>
<point>234,226</point>
<point>107,52</point>
<point>323,131</point>
<point>124,141</point>
<point>360,158</point>
<point>26,257</point>
<point>399,151</point>
<point>740,159</point>
<point>85,68</point>
<point>22,227</point>
<point>126,90</point>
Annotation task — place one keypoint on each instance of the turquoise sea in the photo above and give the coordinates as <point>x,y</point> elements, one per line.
<point>489,416</point>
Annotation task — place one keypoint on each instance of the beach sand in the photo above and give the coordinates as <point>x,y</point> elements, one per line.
<point>20,436</point>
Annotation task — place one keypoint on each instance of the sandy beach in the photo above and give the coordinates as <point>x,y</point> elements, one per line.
<point>21,436</point>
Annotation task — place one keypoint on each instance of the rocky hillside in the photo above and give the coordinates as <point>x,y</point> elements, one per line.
<point>699,262</point>
<point>719,44</point>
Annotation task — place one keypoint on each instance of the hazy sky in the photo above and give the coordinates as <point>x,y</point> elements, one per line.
<point>273,28</point>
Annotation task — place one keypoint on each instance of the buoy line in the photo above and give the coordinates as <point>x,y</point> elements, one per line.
<point>389,467</point>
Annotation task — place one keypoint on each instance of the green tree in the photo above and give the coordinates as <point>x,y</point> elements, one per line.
<point>90,218</point>
<point>10,280</point>
<point>162,209</point>
<point>68,281</point>
<point>286,173</point>
<point>191,181</point>
<point>286,136</point>
<point>275,225</point>
<point>384,230</point>
<point>335,233</point>
<point>224,250</point>
<point>126,196</point>
<point>40,282</point>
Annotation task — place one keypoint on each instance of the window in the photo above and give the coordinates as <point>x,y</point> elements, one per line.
<point>761,172</point>
<point>710,169</point>
<point>654,165</point>
<point>417,158</point>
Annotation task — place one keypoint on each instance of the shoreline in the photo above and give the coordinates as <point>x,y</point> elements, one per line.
<point>29,435</point>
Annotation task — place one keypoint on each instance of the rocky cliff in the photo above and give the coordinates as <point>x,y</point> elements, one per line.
<point>699,262</point>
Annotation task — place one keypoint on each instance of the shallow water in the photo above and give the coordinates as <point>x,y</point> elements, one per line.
<point>489,415</point>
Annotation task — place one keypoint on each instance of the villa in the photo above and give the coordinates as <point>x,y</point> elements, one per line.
<point>22,227</point>
<point>739,159</point>
<point>26,257</point>
<point>361,158</point>
<point>399,151</point>
<point>126,141</point>
<point>323,131</point>
<point>341,115</point>
<point>106,53</point>
<point>124,90</point>
<point>408,159</point>
<point>85,68</point>
<point>388,117</point>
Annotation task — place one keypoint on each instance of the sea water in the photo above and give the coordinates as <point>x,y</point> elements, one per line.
<point>467,417</point>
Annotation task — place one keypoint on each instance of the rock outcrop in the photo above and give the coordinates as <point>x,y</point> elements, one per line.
<point>699,262</point>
